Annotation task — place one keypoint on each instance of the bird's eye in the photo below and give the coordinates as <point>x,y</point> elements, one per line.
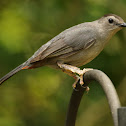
<point>110,20</point>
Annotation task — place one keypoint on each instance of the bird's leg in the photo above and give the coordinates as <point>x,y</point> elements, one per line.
<point>70,70</point>
<point>73,71</point>
<point>76,77</point>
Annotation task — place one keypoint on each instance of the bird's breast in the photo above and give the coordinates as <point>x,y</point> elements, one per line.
<point>84,56</point>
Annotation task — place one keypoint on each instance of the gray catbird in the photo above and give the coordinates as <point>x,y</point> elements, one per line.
<point>74,47</point>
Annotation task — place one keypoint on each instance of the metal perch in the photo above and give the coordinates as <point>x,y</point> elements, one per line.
<point>107,86</point>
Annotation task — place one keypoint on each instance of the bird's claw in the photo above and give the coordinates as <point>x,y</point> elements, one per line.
<point>75,83</point>
<point>86,88</point>
<point>82,72</point>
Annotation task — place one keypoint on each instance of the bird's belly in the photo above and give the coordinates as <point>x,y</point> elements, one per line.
<point>79,58</point>
<point>83,57</point>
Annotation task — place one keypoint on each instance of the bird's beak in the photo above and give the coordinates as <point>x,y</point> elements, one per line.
<point>122,25</point>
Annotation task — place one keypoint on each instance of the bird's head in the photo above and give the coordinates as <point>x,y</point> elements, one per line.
<point>111,22</point>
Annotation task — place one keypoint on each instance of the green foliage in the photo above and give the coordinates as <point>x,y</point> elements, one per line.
<point>40,97</point>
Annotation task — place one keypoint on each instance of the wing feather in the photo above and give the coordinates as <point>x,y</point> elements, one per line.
<point>66,43</point>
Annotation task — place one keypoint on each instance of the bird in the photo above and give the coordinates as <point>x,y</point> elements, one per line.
<point>74,47</point>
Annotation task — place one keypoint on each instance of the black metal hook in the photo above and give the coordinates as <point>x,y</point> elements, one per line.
<point>107,86</point>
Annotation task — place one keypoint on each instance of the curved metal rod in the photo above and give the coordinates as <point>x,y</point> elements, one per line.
<point>109,91</point>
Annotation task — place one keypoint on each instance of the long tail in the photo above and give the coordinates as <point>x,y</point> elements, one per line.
<point>11,73</point>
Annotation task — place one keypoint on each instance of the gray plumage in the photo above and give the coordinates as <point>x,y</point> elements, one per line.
<point>77,45</point>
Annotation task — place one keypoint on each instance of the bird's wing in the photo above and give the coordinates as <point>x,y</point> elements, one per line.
<point>44,52</point>
<point>70,42</point>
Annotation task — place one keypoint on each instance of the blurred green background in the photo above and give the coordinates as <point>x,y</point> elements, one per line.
<point>40,97</point>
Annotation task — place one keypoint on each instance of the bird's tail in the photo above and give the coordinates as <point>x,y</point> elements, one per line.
<point>11,73</point>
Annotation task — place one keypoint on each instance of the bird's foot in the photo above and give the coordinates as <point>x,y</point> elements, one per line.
<point>86,88</point>
<point>73,71</point>
<point>75,83</point>
<point>81,73</point>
